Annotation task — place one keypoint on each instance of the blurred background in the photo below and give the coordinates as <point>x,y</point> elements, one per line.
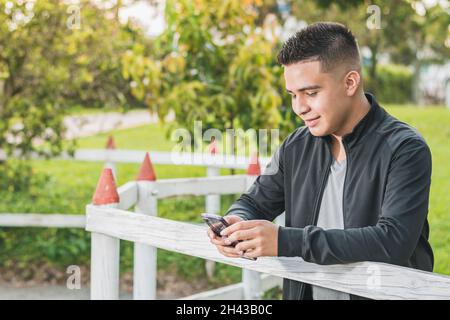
<point>74,73</point>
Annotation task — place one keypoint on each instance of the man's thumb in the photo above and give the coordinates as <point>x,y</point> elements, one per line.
<point>232,219</point>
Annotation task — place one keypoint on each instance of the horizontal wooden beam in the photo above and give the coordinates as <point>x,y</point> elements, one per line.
<point>42,220</point>
<point>128,195</point>
<point>158,157</point>
<point>367,279</point>
<point>200,186</point>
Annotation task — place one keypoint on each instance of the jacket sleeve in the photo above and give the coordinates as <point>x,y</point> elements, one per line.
<point>265,197</point>
<point>396,234</point>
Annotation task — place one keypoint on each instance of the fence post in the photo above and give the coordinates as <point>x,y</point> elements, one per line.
<point>110,147</point>
<point>145,271</point>
<point>252,279</point>
<point>105,250</point>
<point>212,204</point>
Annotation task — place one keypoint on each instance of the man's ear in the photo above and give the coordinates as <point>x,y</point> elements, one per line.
<point>352,81</point>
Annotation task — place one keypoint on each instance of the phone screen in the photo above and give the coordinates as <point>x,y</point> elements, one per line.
<point>217,224</point>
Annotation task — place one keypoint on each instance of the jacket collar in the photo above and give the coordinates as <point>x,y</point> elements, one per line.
<point>365,125</point>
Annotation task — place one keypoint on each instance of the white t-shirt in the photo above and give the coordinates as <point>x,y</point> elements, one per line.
<point>331,217</point>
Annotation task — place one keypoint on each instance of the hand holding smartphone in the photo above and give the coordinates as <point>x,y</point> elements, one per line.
<point>217,224</point>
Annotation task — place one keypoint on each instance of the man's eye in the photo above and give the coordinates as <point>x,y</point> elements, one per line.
<point>311,94</point>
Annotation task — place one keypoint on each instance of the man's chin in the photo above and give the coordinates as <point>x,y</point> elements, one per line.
<point>317,132</point>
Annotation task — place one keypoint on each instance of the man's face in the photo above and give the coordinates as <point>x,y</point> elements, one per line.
<point>319,98</point>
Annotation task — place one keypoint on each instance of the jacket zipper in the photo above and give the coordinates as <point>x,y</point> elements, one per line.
<point>347,156</point>
<point>318,200</point>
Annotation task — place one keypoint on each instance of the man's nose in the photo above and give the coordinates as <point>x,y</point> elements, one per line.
<point>300,107</point>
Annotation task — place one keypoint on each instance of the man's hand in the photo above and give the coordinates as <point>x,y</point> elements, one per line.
<point>259,238</point>
<point>223,247</point>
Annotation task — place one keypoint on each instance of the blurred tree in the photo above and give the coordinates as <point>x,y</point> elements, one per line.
<point>54,56</point>
<point>213,63</point>
<point>411,32</point>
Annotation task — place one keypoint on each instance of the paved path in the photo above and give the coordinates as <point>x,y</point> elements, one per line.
<point>56,292</point>
<point>92,124</point>
<point>79,126</point>
<point>48,293</point>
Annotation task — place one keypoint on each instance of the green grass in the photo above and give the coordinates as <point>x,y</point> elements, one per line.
<point>149,137</point>
<point>434,125</point>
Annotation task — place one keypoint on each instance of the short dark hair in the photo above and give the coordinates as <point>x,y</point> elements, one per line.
<point>328,42</point>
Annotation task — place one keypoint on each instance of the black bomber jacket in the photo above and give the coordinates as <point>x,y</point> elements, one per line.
<point>385,200</point>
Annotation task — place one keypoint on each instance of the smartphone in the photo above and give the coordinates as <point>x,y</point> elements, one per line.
<point>217,224</point>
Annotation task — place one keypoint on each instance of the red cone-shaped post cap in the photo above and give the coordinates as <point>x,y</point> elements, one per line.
<point>147,173</point>
<point>110,144</point>
<point>213,147</point>
<point>254,169</point>
<point>106,192</point>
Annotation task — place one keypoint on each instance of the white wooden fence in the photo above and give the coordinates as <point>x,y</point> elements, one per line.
<point>144,195</point>
<point>109,224</point>
<point>252,284</point>
<point>51,220</point>
<point>110,156</point>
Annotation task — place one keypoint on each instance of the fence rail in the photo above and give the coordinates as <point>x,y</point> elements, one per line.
<point>200,186</point>
<point>111,223</point>
<point>158,157</point>
<point>394,282</point>
<point>50,220</point>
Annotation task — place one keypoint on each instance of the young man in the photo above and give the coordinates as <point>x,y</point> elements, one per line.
<point>354,181</point>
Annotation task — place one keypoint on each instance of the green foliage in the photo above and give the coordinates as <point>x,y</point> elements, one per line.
<point>211,64</point>
<point>393,85</point>
<point>32,75</point>
<point>434,124</point>
<point>411,32</point>
<point>275,293</point>
<point>48,65</point>
<point>18,176</point>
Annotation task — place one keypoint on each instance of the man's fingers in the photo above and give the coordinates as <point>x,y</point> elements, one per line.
<point>219,242</point>
<point>228,251</point>
<point>247,246</point>
<point>232,252</point>
<point>215,239</point>
<point>241,225</point>
<point>232,219</point>
<point>251,253</point>
<point>242,235</point>
<point>231,255</point>
<point>211,234</point>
